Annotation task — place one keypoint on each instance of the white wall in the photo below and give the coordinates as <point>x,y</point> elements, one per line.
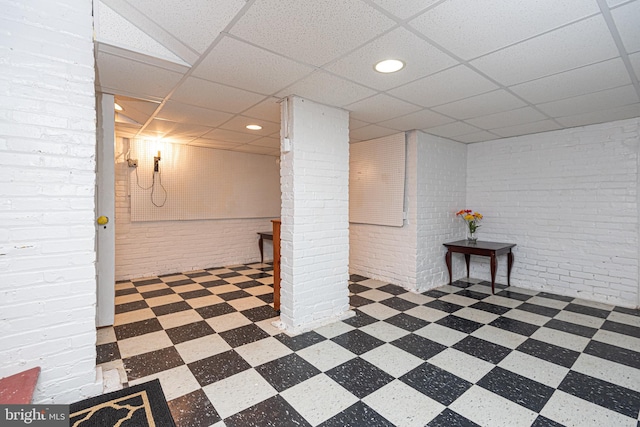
<point>160,247</point>
<point>412,256</point>
<point>441,191</point>
<point>389,253</point>
<point>47,178</point>
<point>315,216</point>
<point>569,200</point>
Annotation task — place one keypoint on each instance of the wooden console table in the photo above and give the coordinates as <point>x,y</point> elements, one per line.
<point>490,249</point>
<point>264,235</point>
<point>276,264</point>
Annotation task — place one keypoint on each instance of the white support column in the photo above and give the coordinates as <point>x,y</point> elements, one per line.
<point>314,172</point>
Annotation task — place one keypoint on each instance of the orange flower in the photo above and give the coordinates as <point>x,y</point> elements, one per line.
<point>472,219</point>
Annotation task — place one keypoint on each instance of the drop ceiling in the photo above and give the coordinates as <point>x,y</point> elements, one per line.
<point>198,71</point>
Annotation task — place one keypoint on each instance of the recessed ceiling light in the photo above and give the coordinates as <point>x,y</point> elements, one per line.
<point>117,107</point>
<point>389,66</point>
<point>254,127</point>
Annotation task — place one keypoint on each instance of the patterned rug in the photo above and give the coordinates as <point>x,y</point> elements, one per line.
<point>139,405</point>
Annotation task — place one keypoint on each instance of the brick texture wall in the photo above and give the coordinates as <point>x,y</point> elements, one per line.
<point>441,192</point>
<point>315,216</point>
<point>412,256</point>
<point>47,179</point>
<point>569,199</point>
<point>389,253</point>
<point>160,247</point>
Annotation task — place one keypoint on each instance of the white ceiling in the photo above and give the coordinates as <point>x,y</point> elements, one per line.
<point>197,71</point>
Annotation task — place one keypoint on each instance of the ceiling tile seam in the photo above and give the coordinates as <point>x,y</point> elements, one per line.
<point>615,34</point>
<point>186,75</point>
<point>399,20</point>
<point>585,94</point>
<point>317,67</point>
<point>155,61</point>
<point>428,109</point>
<point>320,69</point>
<point>379,36</point>
<point>562,72</point>
<point>136,17</point>
<point>526,39</point>
<point>466,63</point>
<point>242,113</point>
<point>273,52</point>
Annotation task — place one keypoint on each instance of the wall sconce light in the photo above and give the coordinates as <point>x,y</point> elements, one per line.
<point>156,162</point>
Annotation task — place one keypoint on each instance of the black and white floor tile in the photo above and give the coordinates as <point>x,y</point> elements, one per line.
<point>453,356</point>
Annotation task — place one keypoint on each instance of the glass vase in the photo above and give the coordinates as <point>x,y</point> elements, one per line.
<point>472,236</point>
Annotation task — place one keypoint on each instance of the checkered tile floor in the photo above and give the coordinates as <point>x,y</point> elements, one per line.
<point>454,356</point>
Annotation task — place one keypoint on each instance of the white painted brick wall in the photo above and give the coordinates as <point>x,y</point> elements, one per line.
<point>389,253</point>
<point>441,192</point>
<point>47,236</point>
<point>315,215</point>
<point>159,247</point>
<point>569,200</point>
<point>412,256</point>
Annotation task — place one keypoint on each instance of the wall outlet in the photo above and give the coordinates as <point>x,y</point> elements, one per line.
<point>133,163</point>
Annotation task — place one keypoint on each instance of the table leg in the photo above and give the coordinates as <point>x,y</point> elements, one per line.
<point>509,265</point>
<point>447,259</point>
<point>467,259</point>
<point>494,268</point>
<point>260,243</point>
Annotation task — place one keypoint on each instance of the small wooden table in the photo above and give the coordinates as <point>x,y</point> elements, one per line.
<point>490,249</point>
<point>264,235</point>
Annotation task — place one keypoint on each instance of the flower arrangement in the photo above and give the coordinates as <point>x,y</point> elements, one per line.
<point>472,219</point>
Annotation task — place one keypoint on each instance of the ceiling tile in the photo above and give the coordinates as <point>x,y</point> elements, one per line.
<point>446,86</point>
<point>212,143</point>
<point>377,108</point>
<point>121,118</point>
<point>254,149</point>
<point>481,105</point>
<point>176,130</point>
<point>527,128</point>
<point>239,123</point>
<point>203,93</point>
<point>471,28</point>
<point>135,79</point>
<point>242,65</point>
<point>576,45</point>
<point>370,132</point>
<point>314,87</point>
<point>231,136</point>
<point>603,100</point>
<point>475,137</point>
<point>404,9</point>
<point>268,109</point>
<point>451,130</point>
<point>418,120</point>
<point>507,118</point>
<point>178,112</point>
<point>613,3</point>
<point>112,28</point>
<point>627,19</point>
<point>314,32</point>
<point>590,78</point>
<point>619,113</point>
<point>267,142</point>
<point>355,124</point>
<point>136,109</point>
<point>195,22</point>
<point>127,130</point>
<point>420,58</point>
<point>635,63</point>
